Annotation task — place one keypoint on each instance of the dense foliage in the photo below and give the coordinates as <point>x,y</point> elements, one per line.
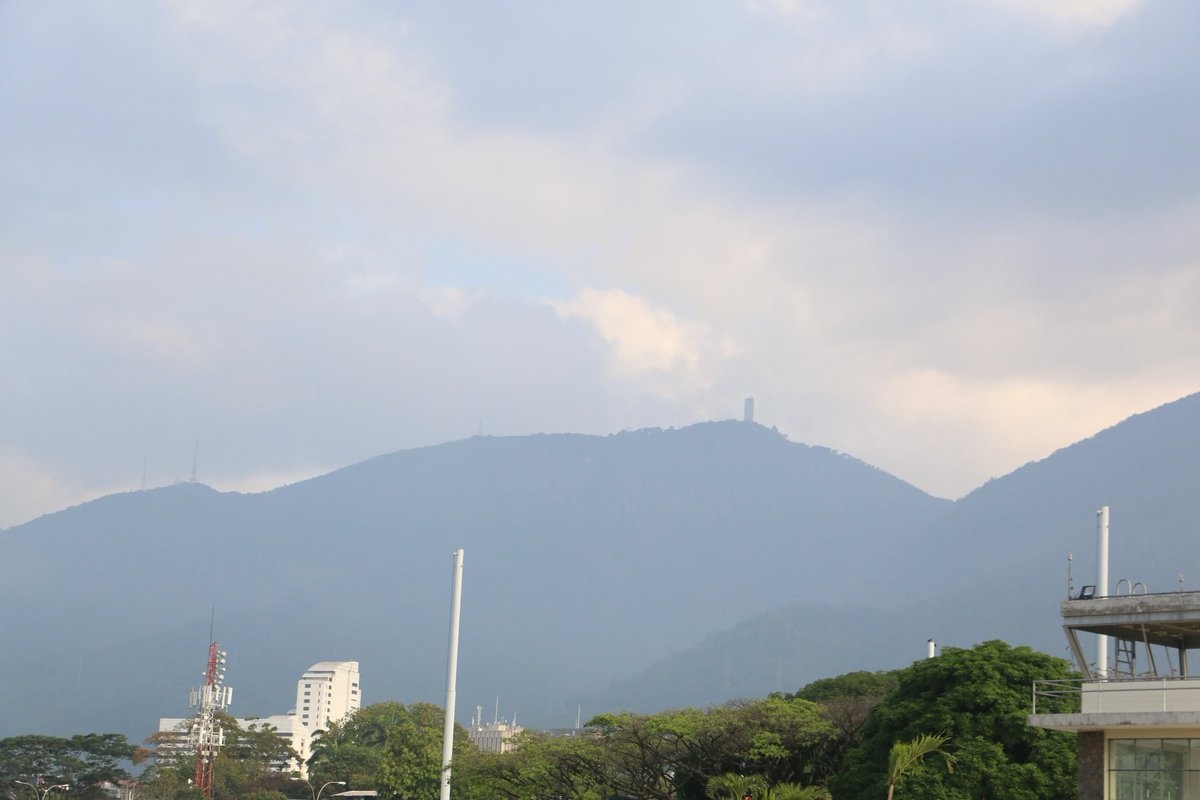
<point>247,765</point>
<point>389,747</point>
<point>668,756</point>
<point>84,762</point>
<point>977,699</point>
<point>949,728</point>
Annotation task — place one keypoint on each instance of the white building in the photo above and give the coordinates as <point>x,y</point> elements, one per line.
<point>493,737</point>
<point>327,692</point>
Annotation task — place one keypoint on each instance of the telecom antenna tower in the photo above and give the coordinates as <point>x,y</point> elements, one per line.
<point>206,735</point>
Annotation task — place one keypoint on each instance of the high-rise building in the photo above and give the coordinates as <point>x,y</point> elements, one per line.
<point>327,692</point>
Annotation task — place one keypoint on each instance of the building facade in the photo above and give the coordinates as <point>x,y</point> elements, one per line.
<point>1136,717</point>
<point>327,692</point>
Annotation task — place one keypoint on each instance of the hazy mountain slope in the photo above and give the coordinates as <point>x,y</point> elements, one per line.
<point>1008,540</point>
<point>587,558</point>
<point>994,567</point>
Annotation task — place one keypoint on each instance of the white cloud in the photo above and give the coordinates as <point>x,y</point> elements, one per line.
<point>445,301</point>
<point>642,338</point>
<point>1070,14</point>
<point>865,223</point>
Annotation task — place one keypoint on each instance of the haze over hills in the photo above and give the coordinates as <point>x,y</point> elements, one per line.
<point>644,569</point>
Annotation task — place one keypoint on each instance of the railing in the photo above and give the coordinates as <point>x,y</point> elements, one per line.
<point>1071,688</point>
<point>1117,695</point>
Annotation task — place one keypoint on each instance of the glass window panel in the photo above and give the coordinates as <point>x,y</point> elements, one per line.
<point>1171,785</point>
<point>1149,753</point>
<point>1175,753</point>
<point>1121,753</point>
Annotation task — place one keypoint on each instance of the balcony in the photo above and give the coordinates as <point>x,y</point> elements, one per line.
<point>1081,705</point>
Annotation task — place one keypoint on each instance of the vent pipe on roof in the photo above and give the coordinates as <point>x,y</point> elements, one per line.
<point>1102,586</point>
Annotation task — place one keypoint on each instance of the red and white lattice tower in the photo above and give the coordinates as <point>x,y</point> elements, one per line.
<point>206,735</point>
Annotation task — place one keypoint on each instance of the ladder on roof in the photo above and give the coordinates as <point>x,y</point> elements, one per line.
<point>1126,655</point>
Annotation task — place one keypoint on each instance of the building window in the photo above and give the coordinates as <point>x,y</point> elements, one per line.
<point>1153,769</point>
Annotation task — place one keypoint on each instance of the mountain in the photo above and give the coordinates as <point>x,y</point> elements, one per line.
<point>641,570</point>
<point>586,558</point>
<point>994,566</point>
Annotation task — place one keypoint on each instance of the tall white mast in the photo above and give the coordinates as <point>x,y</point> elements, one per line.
<point>1102,586</point>
<point>451,676</point>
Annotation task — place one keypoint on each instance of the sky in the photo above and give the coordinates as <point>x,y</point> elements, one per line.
<point>259,241</point>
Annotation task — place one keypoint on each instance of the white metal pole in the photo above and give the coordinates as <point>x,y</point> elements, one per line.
<point>1102,587</point>
<point>451,675</point>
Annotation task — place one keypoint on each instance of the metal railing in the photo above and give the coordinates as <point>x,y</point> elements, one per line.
<point>1157,693</point>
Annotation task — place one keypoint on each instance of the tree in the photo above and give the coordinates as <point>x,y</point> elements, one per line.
<point>736,787</point>
<point>732,786</point>
<point>538,767</point>
<point>389,747</point>
<point>904,756</point>
<point>84,761</point>
<point>250,763</point>
<point>673,755</point>
<point>338,756</point>
<point>847,701</point>
<point>979,698</point>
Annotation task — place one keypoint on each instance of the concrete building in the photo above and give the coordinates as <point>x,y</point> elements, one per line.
<point>1137,722</point>
<point>493,737</point>
<point>327,692</point>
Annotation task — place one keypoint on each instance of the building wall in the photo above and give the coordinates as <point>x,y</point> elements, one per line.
<point>1090,765</point>
<point>327,692</point>
<point>494,738</point>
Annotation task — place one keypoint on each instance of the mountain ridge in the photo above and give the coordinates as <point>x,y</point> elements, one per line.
<point>609,571</point>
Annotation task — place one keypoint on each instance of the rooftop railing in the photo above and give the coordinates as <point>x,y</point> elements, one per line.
<point>1079,695</point>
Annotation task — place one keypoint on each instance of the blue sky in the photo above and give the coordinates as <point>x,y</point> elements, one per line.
<point>945,237</point>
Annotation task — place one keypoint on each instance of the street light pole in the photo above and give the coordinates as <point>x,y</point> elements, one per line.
<point>316,793</point>
<point>41,795</point>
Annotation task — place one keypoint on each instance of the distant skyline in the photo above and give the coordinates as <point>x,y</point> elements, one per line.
<point>947,238</point>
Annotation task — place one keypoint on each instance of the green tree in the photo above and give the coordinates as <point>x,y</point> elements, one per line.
<point>338,756</point>
<point>673,755</point>
<point>905,756</point>
<point>538,767</point>
<point>251,762</point>
<point>979,697</point>
<point>736,787</point>
<point>794,791</point>
<point>389,747</point>
<point>732,786</point>
<point>84,761</point>
<point>846,702</point>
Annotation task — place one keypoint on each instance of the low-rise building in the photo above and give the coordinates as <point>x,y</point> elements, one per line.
<point>327,692</point>
<point>1137,723</point>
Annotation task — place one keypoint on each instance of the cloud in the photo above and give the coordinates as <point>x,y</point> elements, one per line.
<point>304,236</point>
<point>642,338</point>
<point>1072,13</point>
